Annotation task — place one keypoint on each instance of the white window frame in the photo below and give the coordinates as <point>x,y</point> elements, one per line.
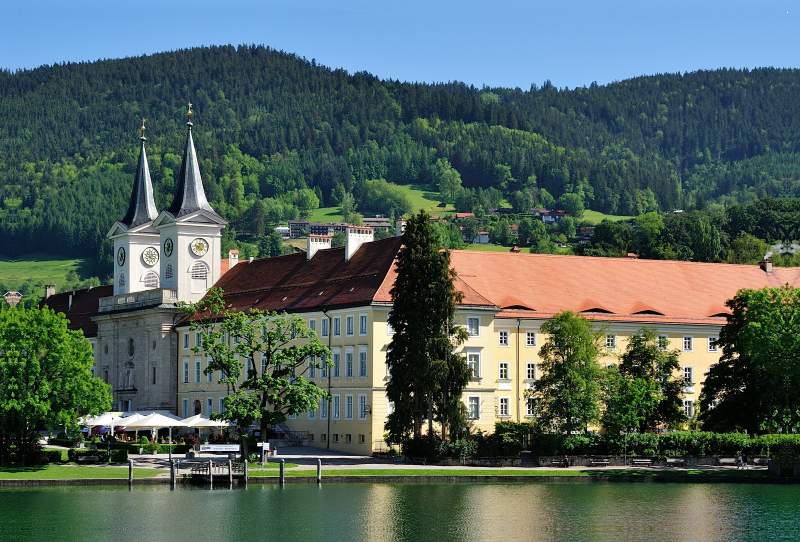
<point>663,342</point>
<point>312,325</point>
<point>531,371</point>
<point>198,339</point>
<point>325,327</point>
<point>336,412</point>
<point>210,375</point>
<point>198,370</point>
<point>470,400</point>
<point>504,407</point>
<point>349,363</point>
<point>476,369</point>
<point>362,406</point>
<point>502,370</point>
<point>688,407</point>
<point>362,363</point>
<point>221,405</point>
<point>476,321</point>
<point>337,326</point>
<point>713,344</point>
<point>350,325</point>
<point>530,407</point>
<point>312,414</point>
<point>363,326</point>
<point>185,370</point>
<point>209,405</point>
<point>337,363</point>
<point>186,340</point>
<point>611,341</point>
<point>504,338</point>
<point>323,409</point>
<point>323,372</point>
<point>185,405</point>
<point>690,340</point>
<point>531,340</point>
<point>348,406</point>
<point>312,367</point>
<point>389,328</point>
<point>688,379</point>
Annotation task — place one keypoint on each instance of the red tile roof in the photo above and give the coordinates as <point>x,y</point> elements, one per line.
<point>85,303</point>
<point>540,285</point>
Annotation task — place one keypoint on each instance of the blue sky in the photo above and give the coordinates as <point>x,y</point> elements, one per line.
<point>494,43</point>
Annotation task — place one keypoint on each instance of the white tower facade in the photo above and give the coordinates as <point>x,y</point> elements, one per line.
<point>190,234</point>
<point>136,242</point>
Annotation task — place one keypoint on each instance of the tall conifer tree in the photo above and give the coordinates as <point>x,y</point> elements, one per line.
<point>427,378</point>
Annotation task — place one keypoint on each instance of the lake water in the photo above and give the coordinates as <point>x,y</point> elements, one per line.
<point>413,512</point>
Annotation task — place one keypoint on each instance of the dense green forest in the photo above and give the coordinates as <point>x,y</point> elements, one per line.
<point>279,135</point>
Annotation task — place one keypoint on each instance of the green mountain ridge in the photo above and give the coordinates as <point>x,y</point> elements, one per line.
<point>276,129</point>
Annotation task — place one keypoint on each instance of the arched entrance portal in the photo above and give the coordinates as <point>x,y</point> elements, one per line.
<point>198,408</point>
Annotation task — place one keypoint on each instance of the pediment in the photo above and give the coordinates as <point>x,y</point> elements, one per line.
<point>201,216</point>
<point>164,218</point>
<point>116,230</point>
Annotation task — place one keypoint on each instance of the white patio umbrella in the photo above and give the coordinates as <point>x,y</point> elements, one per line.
<point>198,420</point>
<point>154,422</point>
<point>109,419</point>
<point>135,417</point>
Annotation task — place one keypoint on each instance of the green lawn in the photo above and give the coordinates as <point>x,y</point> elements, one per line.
<point>527,472</point>
<point>491,248</point>
<point>67,472</point>
<point>326,214</point>
<point>596,217</point>
<point>36,266</point>
<point>271,466</point>
<point>419,197</point>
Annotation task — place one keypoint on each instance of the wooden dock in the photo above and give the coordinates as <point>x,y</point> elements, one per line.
<point>217,471</point>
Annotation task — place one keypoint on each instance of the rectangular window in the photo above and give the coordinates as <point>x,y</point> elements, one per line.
<point>474,363</point>
<point>154,374</point>
<point>530,339</point>
<point>185,341</point>
<point>185,370</point>
<point>611,341</point>
<point>198,338</point>
<point>688,343</point>
<point>323,437</point>
<point>325,323</point>
<point>663,343</point>
<point>530,370</point>
<point>713,345</point>
<point>323,372</point>
<point>350,321</point>
<point>348,407</point>
<point>323,409</point>
<point>390,408</point>
<point>336,438</point>
<point>348,438</point>
<point>210,375</point>
<point>312,414</point>
<point>503,374</point>
<point>348,364</point>
<point>185,408</point>
<point>473,407</point>
<point>312,324</point>
<point>362,324</point>
<point>335,413</point>
<point>688,407</point>
<point>361,439</point>
<point>221,405</point>
<point>362,407</point>
<point>312,367</point>
<point>337,361</point>
<point>474,326</point>
<point>362,363</point>
<point>223,338</point>
<point>503,407</point>
<point>389,328</point>
<point>688,375</point>
<point>209,405</point>
<point>530,406</point>
<point>503,338</point>
<point>311,437</point>
<point>197,369</point>
<point>292,416</point>
<point>337,326</point>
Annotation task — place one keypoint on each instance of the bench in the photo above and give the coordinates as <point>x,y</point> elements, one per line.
<point>764,461</point>
<point>419,460</point>
<point>641,462</point>
<point>558,462</point>
<point>88,459</point>
<point>599,462</point>
<point>675,461</point>
<point>728,461</point>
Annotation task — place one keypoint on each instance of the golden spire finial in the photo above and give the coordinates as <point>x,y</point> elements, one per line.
<point>190,109</point>
<point>143,129</point>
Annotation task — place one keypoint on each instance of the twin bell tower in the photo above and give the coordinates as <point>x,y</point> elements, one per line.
<point>178,248</point>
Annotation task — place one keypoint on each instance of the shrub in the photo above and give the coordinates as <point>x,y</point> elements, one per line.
<point>73,454</point>
<point>144,441</point>
<point>219,438</point>
<point>119,456</point>
<point>191,439</point>
<point>54,456</point>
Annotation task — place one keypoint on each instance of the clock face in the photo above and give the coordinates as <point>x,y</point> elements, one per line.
<point>150,256</point>
<point>168,248</point>
<point>199,246</point>
<point>121,256</point>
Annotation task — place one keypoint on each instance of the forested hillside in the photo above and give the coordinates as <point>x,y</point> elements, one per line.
<point>279,135</point>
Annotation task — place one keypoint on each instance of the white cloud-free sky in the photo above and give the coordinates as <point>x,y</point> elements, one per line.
<point>510,43</point>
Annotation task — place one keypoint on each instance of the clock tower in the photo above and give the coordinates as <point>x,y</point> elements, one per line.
<point>136,242</point>
<point>190,233</point>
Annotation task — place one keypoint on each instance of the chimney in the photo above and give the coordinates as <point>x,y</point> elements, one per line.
<point>70,302</point>
<point>49,290</point>
<point>766,266</point>
<point>315,243</point>
<point>249,260</point>
<point>399,227</point>
<point>233,258</point>
<point>356,236</point>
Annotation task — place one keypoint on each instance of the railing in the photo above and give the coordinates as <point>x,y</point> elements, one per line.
<point>156,296</point>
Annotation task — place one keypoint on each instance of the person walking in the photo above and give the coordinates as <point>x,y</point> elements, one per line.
<point>744,461</point>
